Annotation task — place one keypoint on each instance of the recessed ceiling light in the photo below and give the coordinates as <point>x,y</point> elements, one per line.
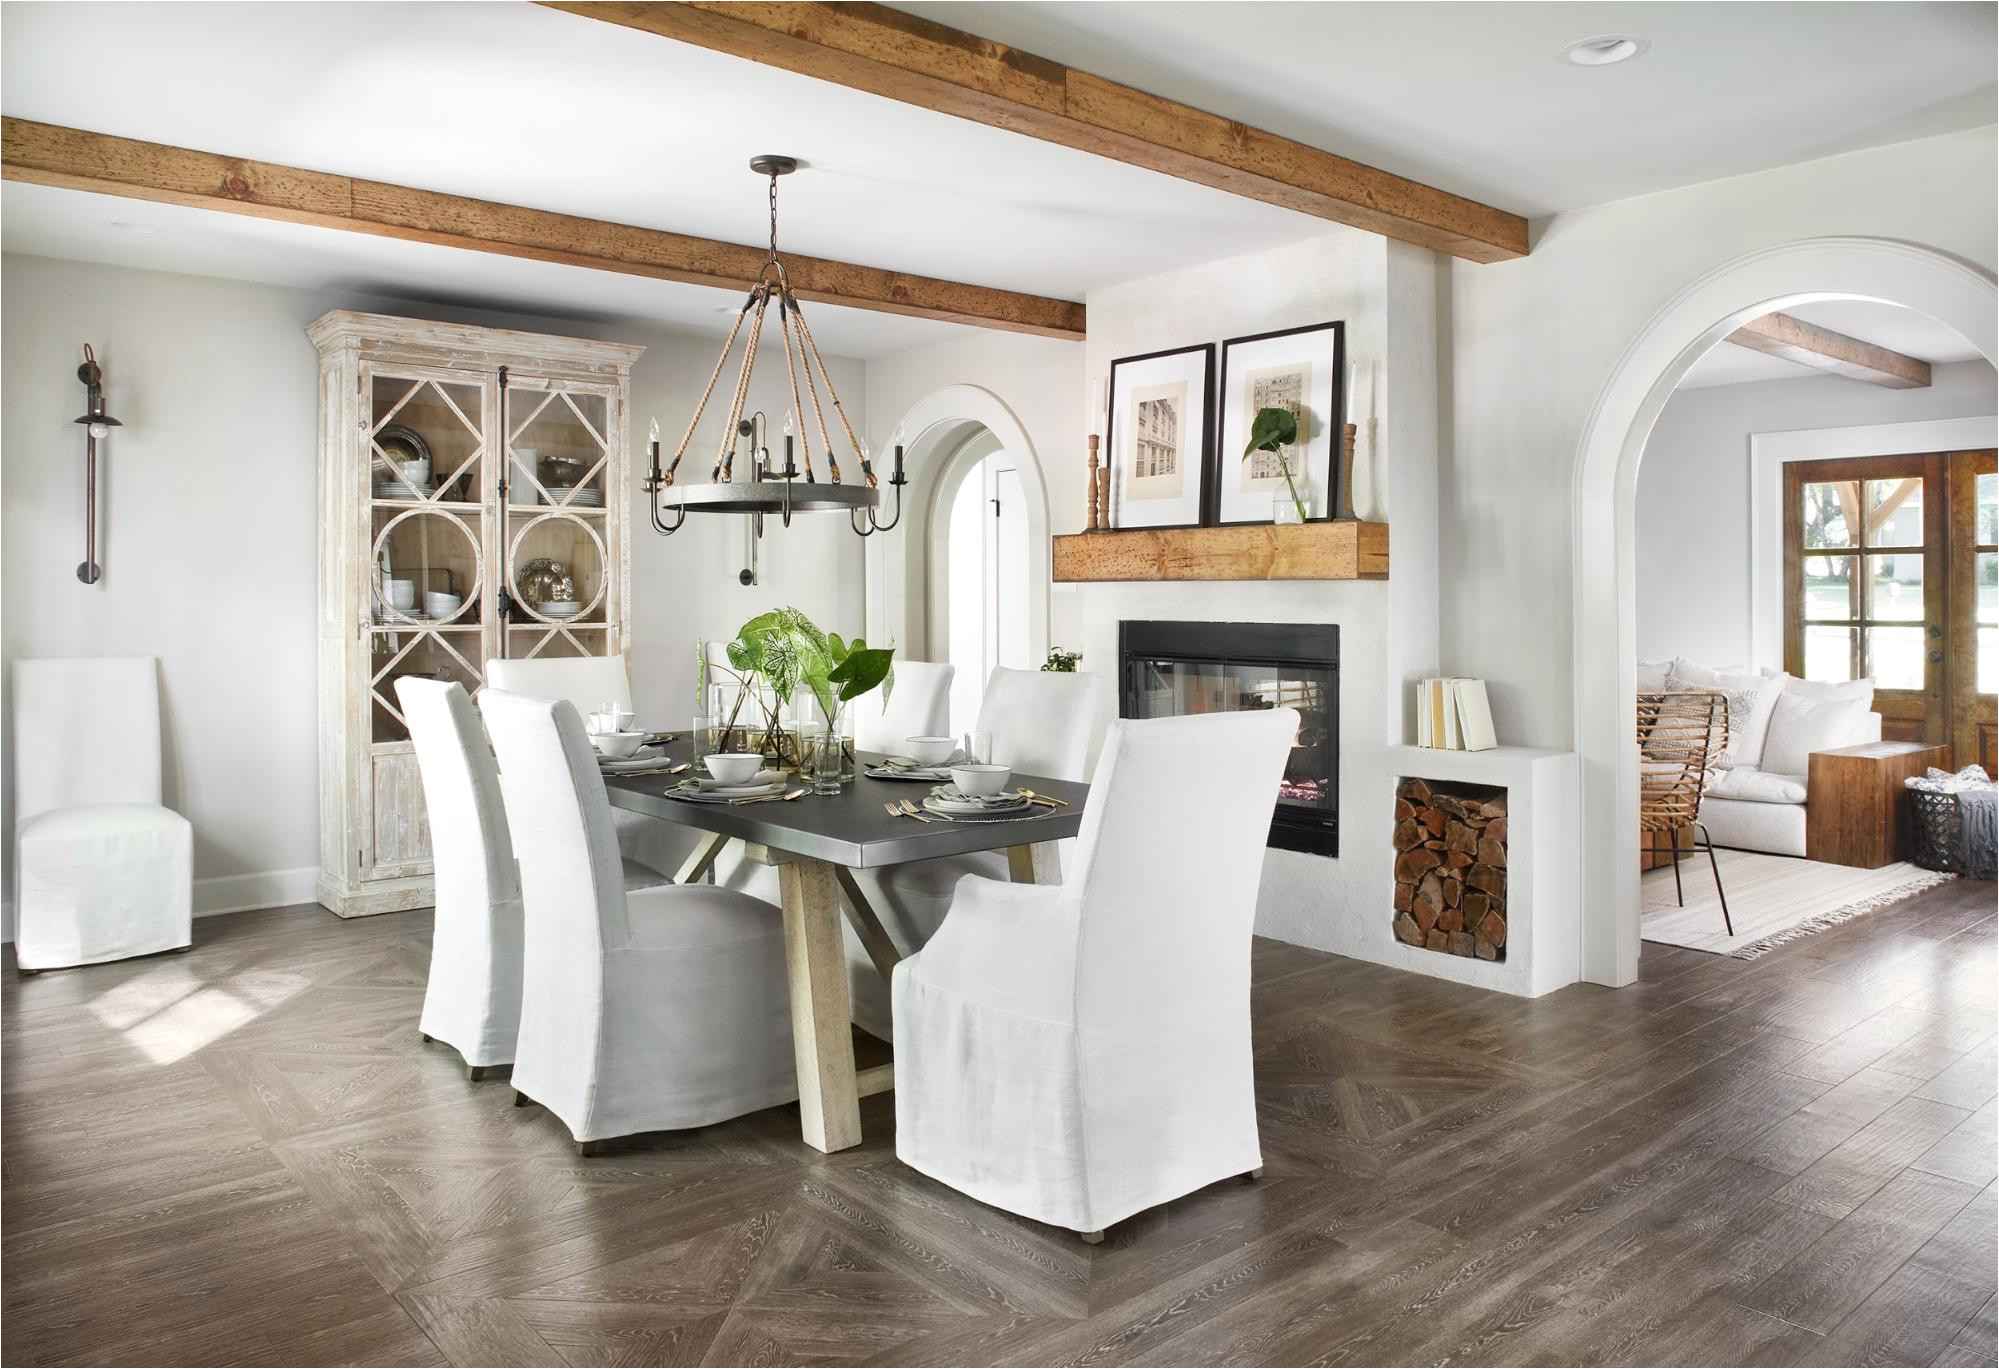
<point>119,227</point>
<point>1604,49</point>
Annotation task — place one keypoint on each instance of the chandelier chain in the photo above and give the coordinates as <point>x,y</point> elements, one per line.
<point>773,216</point>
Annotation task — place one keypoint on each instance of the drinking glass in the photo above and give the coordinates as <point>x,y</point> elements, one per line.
<point>826,758</point>
<point>702,732</point>
<point>978,748</point>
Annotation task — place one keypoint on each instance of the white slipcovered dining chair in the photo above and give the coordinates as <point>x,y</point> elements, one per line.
<point>1077,1053</point>
<point>472,1002</point>
<point>652,1010</point>
<point>590,682</point>
<point>918,706</point>
<point>1042,722</point>
<point>102,870</point>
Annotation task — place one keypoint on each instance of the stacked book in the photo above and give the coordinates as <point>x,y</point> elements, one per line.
<point>1452,713</point>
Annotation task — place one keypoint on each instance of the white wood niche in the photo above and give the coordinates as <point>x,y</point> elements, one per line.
<point>549,415</point>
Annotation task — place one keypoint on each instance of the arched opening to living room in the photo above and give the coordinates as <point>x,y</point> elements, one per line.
<point>967,579</point>
<point>1627,415</point>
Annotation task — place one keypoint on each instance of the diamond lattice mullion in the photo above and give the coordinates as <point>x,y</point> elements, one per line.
<point>534,477</point>
<point>415,638</point>
<point>544,640</point>
<point>445,642</point>
<point>478,446</point>
<point>396,408</point>
<point>589,427</point>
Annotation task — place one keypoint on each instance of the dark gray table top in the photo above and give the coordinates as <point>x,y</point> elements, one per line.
<point>850,828</point>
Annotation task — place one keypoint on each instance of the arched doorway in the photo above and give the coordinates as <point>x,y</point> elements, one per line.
<point>951,437</point>
<point>1603,566</point>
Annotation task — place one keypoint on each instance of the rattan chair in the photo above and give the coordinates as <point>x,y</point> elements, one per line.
<point>1677,734</point>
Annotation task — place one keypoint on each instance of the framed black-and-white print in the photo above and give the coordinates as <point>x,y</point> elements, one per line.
<point>1300,369</point>
<point>1160,433</point>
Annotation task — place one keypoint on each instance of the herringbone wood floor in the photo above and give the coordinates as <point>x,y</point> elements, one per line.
<point>244,1154</point>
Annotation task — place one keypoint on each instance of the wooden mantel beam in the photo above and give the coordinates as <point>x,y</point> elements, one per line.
<point>46,154</point>
<point>1780,335</point>
<point>901,57</point>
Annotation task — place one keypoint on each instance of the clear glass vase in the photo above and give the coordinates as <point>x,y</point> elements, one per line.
<point>1284,509</point>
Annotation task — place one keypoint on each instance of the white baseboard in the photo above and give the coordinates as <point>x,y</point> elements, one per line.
<point>229,894</point>
<point>265,889</point>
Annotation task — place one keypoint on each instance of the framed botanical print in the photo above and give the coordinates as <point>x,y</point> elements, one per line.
<point>1299,369</point>
<point>1160,433</point>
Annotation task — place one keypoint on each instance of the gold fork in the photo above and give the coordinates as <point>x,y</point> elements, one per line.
<point>767,798</point>
<point>1044,799</point>
<point>910,810</point>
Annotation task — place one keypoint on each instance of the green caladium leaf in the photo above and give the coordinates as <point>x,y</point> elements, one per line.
<point>861,671</point>
<point>1273,429</point>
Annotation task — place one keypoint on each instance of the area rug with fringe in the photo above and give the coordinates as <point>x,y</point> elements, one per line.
<point>1772,899</point>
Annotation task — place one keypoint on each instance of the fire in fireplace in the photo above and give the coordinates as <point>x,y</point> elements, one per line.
<point>1168,669</point>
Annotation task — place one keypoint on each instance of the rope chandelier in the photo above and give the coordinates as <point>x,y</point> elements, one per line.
<point>765,488</point>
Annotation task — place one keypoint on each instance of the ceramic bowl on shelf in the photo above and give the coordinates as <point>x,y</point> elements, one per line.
<point>561,608</point>
<point>402,594</point>
<point>439,605</point>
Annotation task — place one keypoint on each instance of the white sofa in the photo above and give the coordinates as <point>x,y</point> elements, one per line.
<point>1757,799</point>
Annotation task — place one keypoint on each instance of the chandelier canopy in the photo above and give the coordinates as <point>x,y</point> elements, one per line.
<point>765,488</point>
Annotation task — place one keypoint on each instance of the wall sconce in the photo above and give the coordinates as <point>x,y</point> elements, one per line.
<point>97,424</point>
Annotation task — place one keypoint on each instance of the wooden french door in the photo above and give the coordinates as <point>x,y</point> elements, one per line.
<point>1891,571</point>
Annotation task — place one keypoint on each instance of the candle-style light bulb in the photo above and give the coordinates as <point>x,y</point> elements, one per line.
<point>653,436</point>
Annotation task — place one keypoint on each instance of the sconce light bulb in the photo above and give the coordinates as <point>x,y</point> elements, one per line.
<point>100,431</point>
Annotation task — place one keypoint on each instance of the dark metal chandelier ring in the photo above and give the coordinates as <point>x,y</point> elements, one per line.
<point>771,489</point>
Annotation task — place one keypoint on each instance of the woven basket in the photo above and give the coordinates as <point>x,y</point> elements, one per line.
<point>1936,821</point>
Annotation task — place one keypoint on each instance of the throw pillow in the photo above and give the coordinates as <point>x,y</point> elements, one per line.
<point>1652,676</point>
<point>1801,725</point>
<point>1752,700</point>
<point>1861,691</point>
<point>1697,676</point>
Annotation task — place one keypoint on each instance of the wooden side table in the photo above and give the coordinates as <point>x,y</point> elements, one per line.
<point>1855,813</point>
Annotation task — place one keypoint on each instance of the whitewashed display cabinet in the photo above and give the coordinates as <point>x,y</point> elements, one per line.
<point>472,505</point>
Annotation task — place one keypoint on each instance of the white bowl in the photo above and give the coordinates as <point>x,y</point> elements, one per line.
<point>930,750</point>
<point>734,767</point>
<point>416,472</point>
<point>618,746</point>
<point>442,605</point>
<point>562,608</point>
<point>981,781</point>
<point>402,594</point>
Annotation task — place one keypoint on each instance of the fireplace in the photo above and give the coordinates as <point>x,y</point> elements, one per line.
<point>1169,669</point>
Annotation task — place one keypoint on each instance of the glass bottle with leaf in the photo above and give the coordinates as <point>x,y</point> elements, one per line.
<point>1275,430</point>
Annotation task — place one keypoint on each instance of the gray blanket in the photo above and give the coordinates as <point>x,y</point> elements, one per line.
<point>1977,832</point>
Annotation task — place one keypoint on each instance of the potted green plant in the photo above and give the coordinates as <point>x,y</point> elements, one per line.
<point>1062,660</point>
<point>1272,431</point>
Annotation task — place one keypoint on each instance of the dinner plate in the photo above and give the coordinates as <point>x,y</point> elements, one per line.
<point>694,793</point>
<point>890,772</point>
<point>763,779</point>
<point>645,758</point>
<point>953,804</point>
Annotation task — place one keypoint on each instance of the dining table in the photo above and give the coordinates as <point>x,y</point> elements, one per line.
<point>817,842</point>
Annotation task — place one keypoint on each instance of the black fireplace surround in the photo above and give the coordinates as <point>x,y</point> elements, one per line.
<point>1169,669</point>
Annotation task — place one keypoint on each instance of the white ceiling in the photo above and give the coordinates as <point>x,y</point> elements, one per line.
<point>1470,97</point>
<point>506,101</point>
<point>1884,325</point>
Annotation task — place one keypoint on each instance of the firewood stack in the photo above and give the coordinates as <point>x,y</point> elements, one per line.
<point>1450,869</point>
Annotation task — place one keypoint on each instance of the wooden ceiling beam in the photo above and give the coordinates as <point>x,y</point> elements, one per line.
<point>900,57</point>
<point>73,159</point>
<point>1793,339</point>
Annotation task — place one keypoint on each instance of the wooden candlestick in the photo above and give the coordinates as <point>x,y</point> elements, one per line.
<point>1344,508</point>
<point>1094,515</point>
<point>1104,495</point>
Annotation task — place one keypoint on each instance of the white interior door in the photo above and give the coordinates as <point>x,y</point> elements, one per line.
<point>988,585</point>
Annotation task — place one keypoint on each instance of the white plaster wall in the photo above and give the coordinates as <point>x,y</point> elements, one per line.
<point>215,382</point>
<point>1533,342</point>
<point>1694,577</point>
<point>1388,296</point>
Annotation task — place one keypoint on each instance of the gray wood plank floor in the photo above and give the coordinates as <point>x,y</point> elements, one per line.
<point>245,1155</point>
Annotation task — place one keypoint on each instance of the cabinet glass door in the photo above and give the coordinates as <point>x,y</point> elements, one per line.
<point>559,564</point>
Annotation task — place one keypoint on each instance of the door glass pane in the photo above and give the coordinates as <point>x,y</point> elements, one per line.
<point>425,441</point>
<point>1988,510</point>
<point>1828,590</point>
<point>1988,587</point>
<point>1895,657</point>
<point>560,448</point>
<point>1829,653</point>
<point>1895,587</point>
<point>1825,513</point>
<point>1895,512</point>
<point>1988,660</point>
